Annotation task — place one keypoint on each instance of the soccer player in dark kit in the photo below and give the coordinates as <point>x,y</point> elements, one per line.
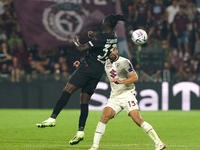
<point>88,73</point>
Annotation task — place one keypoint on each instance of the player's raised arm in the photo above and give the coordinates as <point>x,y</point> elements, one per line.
<point>79,46</point>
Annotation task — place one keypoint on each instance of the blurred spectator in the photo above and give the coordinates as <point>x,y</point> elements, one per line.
<point>195,63</point>
<point>167,61</point>
<point>57,72</point>
<point>167,53</point>
<point>16,71</point>
<point>185,72</point>
<point>13,41</point>
<point>157,30</point>
<point>9,19</point>
<point>127,6</point>
<point>176,60</point>
<point>32,73</point>
<point>181,31</point>
<point>2,24</point>
<point>2,3</point>
<point>5,57</point>
<point>171,11</point>
<point>3,36</point>
<point>198,3</point>
<point>5,61</point>
<point>63,67</point>
<point>4,72</point>
<point>191,11</point>
<point>158,27</point>
<point>42,63</point>
<point>183,3</point>
<point>22,56</point>
<point>197,32</point>
<point>157,11</point>
<point>142,14</point>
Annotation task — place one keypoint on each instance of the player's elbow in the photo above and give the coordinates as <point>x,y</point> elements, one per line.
<point>136,79</point>
<point>82,48</point>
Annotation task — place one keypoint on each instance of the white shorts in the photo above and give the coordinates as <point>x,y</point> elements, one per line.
<point>126,101</point>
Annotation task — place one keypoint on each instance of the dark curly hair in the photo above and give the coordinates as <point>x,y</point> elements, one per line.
<point>112,19</point>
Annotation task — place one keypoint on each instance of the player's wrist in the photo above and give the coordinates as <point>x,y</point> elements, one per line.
<point>122,82</point>
<point>77,43</point>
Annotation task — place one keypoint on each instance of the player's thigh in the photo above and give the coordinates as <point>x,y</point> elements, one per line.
<point>108,113</point>
<point>80,76</point>
<point>90,86</point>
<point>115,106</point>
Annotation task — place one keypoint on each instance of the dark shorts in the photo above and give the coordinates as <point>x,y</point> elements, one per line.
<point>87,76</point>
<point>182,37</point>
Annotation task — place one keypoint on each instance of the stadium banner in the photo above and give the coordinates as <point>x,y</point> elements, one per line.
<point>48,23</point>
<point>151,96</point>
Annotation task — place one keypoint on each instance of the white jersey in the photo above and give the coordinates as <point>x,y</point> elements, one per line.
<point>120,70</point>
<point>172,12</point>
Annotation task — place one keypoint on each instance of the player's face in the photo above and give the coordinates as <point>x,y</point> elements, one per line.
<point>113,55</point>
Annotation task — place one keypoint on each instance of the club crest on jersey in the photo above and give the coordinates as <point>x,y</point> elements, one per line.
<point>109,65</point>
<point>113,73</point>
<point>117,65</point>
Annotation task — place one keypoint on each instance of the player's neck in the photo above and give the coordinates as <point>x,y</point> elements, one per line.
<point>107,30</point>
<point>114,60</point>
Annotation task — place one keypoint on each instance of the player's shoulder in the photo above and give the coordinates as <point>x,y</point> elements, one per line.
<point>123,59</point>
<point>100,37</point>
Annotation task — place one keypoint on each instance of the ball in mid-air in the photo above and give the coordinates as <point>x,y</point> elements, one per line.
<point>139,36</point>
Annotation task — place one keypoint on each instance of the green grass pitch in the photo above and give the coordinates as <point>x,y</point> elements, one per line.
<point>179,130</point>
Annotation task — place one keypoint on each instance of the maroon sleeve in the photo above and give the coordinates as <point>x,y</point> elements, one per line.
<point>187,19</point>
<point>174,21</point>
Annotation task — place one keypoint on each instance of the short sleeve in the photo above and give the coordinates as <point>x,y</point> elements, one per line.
<point>128,66</point>
<point>96,41</point>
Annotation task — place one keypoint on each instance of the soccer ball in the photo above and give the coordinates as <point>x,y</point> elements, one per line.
<point>139,36</point>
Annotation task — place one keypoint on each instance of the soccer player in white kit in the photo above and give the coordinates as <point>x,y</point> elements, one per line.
<point>122,77</point>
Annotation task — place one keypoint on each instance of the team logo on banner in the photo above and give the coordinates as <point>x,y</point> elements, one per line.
<point>64,20</point>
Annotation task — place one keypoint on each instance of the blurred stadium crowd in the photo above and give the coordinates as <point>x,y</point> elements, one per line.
<point>172,52</point>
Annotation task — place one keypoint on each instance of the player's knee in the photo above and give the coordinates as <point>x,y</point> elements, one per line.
<point>70,88</point>
<point>135,115</point>
<point>105,118</point>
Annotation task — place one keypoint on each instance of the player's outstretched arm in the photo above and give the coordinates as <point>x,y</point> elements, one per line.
<point>132,78</point>
<point>79,46</point>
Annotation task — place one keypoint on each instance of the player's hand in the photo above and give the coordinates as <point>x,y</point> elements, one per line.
<point>116,81</point>
<point>90,34</point>
<point>75,39</point>
<point>76,64</point>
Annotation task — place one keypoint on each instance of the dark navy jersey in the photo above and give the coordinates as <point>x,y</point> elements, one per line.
<point>102,45</point>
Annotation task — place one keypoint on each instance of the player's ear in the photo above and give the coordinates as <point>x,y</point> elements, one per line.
<point>116,50</point>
